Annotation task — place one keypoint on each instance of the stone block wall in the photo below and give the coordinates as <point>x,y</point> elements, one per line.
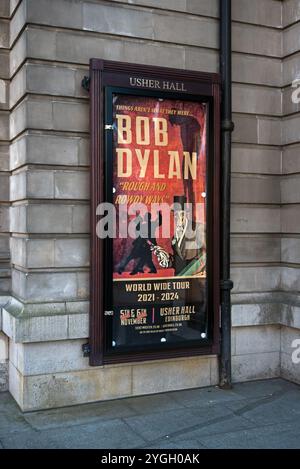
<point>46,318</point>
<point>290,190</point>
<point>256,172</point>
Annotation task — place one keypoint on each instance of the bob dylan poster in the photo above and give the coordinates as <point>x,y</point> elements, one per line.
<point>159,193</point>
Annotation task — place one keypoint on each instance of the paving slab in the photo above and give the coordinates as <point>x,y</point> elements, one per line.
<point>109,434</point>
<point>11,423</point>
<point>173,444</point>
<point>79,415</point>
<point>281,436</point>
<point>153,427</point>
<point>261,388</point>
<point>155,403</point>
<point>11,418</point>
<point>205,396</point>
<point>229,423</point>
<point>275,408</point>
<point>29,440</point>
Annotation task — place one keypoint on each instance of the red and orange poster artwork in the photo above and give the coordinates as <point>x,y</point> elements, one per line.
<point>159,159</point>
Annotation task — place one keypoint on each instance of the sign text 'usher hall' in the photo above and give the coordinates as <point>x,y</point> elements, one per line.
<point>140,82</point>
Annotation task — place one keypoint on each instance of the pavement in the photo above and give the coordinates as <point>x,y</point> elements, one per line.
<point>257,414</point>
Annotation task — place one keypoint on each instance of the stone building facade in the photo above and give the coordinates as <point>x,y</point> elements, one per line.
<point>45,47</point>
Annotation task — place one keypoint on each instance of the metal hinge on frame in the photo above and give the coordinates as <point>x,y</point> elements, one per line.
<point>86,350</point>
<point>108,313</point>
<point>85,83</point>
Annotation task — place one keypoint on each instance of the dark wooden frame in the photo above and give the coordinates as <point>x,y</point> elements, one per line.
<point>108,73</point>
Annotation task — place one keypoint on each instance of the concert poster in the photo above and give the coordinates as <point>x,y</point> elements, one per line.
<point>159,169</point>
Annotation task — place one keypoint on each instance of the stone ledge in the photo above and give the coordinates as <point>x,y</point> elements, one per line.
<point>24,323</point>
<point>44,322</point>
<point>110,382</point>
<point>61,356</point>
<point>274,297</point>
<point>274,313</point>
